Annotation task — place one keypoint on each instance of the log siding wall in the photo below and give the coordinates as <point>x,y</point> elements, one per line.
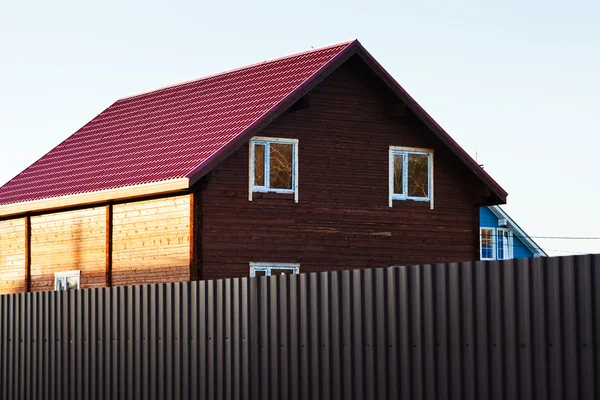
<point>151,241</point>
<point>12,256</point>
<point>150,244</point>
<point>67,241</point>
<point>342,219</point>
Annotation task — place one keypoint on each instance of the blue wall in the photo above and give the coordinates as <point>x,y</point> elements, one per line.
<point>487,219</point>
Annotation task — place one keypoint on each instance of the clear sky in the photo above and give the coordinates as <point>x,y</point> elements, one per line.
<point>515,83</point>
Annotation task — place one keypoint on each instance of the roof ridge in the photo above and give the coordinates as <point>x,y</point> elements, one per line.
<point>230,71</point>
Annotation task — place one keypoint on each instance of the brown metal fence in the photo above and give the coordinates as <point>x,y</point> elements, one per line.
<point>501,330</point>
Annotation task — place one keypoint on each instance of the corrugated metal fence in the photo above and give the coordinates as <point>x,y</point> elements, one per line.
<point>501,330</point>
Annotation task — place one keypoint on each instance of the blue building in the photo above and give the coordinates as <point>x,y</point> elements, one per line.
<point>501,238</point>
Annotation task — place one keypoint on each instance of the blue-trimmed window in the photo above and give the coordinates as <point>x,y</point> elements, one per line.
<point>273,165</point>
<point>273,269</point>
<point>411,174</point>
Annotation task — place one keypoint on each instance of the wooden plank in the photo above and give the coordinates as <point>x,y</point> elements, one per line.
<point>27,253</point>
<point>193,246</point>
<point>108,246</point>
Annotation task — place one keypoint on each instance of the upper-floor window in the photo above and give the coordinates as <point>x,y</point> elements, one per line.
<point>273,166</point>
<point>496,244</point>
<point>66,280</point>
<point>411,174</point>
<point>273,269</point>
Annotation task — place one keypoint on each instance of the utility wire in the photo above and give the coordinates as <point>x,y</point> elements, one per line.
<point>545,249</point>
<point>548,237</point>
<point>539,237</point>
<point>563,237</point>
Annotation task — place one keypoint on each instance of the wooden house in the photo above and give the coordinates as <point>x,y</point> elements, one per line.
<point>311,162</point>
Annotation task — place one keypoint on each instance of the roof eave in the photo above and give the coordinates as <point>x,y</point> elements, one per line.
<point>92,198</point>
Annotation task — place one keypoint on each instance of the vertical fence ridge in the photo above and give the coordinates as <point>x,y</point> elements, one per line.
<point>524,329</point>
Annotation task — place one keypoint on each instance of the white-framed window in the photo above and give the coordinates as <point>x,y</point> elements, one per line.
<point>67,280</point>
<point>273,166</point>
<point>496,244</point>
<point>487,244</point>
<point>504,244</point>
<point>410,174</point>
<point>273,269</point>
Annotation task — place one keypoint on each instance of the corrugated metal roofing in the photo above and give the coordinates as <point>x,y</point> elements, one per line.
<point>167,133</point>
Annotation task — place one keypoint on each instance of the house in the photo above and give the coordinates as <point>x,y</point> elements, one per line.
<point>502,239</point>
<point>311,162</point>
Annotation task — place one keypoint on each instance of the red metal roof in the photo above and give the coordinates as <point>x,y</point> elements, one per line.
<point>167,133</point>
<point>182,131</point>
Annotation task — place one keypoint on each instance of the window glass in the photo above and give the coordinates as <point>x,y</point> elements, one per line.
<point>398,167</point>
<point>260,272</point>
<point>280,168</point>
<point>259,165</point>
<point>72,282</point>
<point>68,280</point>
<point>500,242</point>
<point>418,171</point>
<point>487,243</point>
<point>61,284</point>
<point>276,271</point>
<point>504,244</point>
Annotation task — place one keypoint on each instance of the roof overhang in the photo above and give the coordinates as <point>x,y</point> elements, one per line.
<point>527,241</point>
<point>91,198</point>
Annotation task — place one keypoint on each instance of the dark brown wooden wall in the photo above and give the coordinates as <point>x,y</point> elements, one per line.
<point>342,219</point>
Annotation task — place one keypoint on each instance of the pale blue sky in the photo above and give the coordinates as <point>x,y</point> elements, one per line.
<point>518,82</point>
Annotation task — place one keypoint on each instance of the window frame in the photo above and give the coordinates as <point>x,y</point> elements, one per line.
<point>268,266</point>
<point>67,274</point>
<point>405,151</point>
<point>481,257</point>
<point>266,141</point>
<point>507,243</point>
